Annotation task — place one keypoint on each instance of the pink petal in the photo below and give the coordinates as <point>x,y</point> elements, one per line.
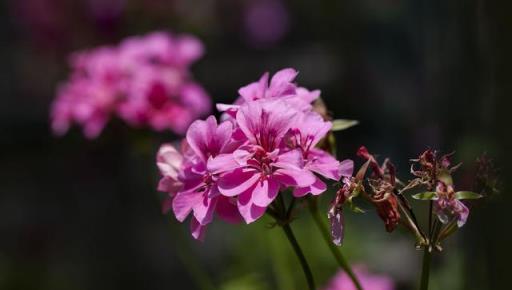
<point>265,120</point>
<point>198,135</point>
<point>254,90</point>
<point>308,96</point>
<point>207,139</point>
<point>189,49</point>
<point>315,189</point>
<point>281,83</point>
<point>222,163</point>
<point>293,177</point>
<point>169,185</point>
<point>196,98</point>
<point>183,203</point>
<point>265,192</point>
<point>291,159</point>
<point>249,211</point>
<point>197,230</point>
<point>169,160</point>
<point>236,182</point>
<point>324,164</point>
<point>346,168</point>
<point>204,209</point>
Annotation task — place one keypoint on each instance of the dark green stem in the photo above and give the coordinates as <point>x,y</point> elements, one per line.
<point>282,217</point>
<point>191,264</point>
<point>427,254</point>
<point>342,262</point>
<point>298,251</point>
<point>425,270</point>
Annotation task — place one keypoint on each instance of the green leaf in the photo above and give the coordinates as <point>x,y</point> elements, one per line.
<point>428,195</point>
<point>342,124</point>
<point>467,195</point>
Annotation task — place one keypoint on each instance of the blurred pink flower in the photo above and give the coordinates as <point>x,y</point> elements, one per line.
<point>266,22</point>
<point>145,81</point>
<point>341,281</point>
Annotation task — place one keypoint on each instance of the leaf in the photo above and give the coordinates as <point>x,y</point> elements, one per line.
<point>467,195</point>
<point>342,124</point>
<point>428,195</point>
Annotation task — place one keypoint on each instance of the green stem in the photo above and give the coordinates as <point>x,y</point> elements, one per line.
<point>425,271</point>
<point>191,264</point>
<point>305,267</point>
<point>342,262</point>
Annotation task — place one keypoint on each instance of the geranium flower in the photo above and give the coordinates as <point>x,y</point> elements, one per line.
<point>191,186</point>
<point>259,169</point>
<point>281,86</point>
<point>306,132</point>
<point>145,81</point>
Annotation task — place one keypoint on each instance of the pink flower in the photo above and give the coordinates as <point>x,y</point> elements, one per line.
<point>281,87</point>
<point>164,99</point>
<point>145,81</point>
<point>266,143</point>
<point>306,132</point>
<point>82,102</point>
<point>258,170</point>
<point>192,188</point>
<point>341,281</point>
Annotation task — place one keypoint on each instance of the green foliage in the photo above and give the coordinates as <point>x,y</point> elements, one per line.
<point>427,195</point>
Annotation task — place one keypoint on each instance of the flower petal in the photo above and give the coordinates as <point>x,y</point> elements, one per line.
<point>248,210</point>
<point>197,230</point>
<point>236,182</point>
<point>315,189</point>
<point>204,209</point>
<point>347,167</point>
<point>324,164</point>
<point>183,203</point>
<point>265,192</point>
<point>222,163</point>
<point>335,216</point>
<point>169,160</point>
<point>294,177</point>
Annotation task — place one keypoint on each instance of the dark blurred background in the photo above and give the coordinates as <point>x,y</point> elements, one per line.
<point>80,214</point>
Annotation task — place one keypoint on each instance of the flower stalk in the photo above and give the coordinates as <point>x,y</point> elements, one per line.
<point>425,270</point>
<point>298,251</point>
<point>342,262</point>
<point>283,217</point>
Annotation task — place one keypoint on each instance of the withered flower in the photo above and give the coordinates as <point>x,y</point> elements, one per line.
<point>383,184</point>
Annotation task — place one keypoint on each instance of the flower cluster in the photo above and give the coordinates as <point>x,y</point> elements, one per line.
<point>383,189</point>
<point>369,281</point>
<point>265,143</point>
<point>144,80</point>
